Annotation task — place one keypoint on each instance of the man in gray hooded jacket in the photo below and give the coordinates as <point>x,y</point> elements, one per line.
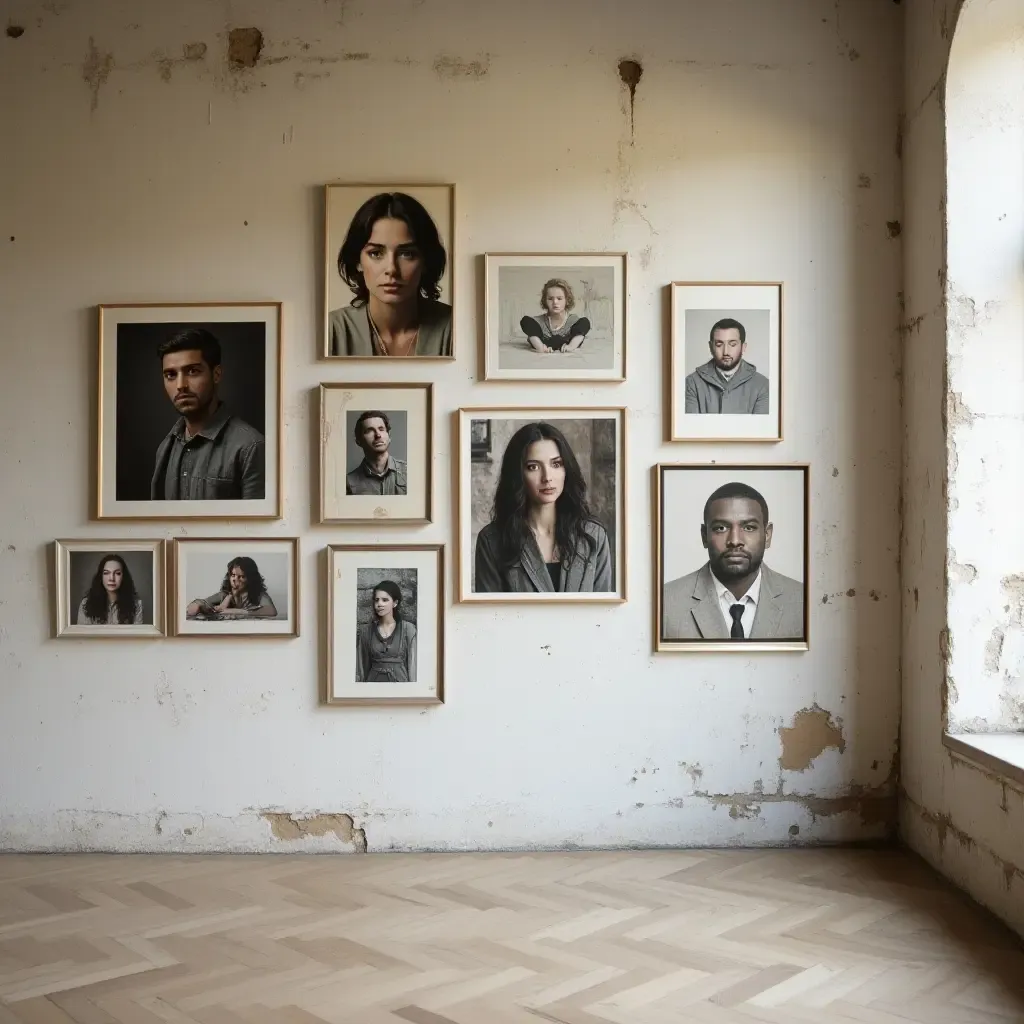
<point>727,383</point>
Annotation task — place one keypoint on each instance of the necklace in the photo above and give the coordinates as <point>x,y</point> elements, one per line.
<point>380,344</point>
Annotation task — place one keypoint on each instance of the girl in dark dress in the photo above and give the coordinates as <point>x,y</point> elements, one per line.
<point>386,652</point>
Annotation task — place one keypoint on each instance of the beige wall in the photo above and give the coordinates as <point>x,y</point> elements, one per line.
<point>760,146</point>
<point>968,823</point>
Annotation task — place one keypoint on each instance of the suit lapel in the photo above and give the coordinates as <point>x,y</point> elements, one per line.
<point>705,612</point>
<point>769,607</point>
<point>533,566</point>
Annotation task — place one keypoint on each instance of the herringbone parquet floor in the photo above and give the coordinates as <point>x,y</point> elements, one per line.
<point>825,935</point>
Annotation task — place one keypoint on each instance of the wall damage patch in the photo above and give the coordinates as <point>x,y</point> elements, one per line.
<point>96,70</point>
<point>288,827</point>
<point>813,731</point>
<point>453,67</point>
<point>244,47</point>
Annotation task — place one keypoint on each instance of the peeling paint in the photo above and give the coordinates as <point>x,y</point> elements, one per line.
<point>288,827</point>
<point>813,731</point>
<point>695,771</point>
<point>244,47</point>
<point>454,68</point>
<point>994,650</point>
<point>957,412</point>
<point>96,70</point>
<point>1013,585</point>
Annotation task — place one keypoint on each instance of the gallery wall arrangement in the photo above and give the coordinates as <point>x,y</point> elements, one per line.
<point>190,428</point>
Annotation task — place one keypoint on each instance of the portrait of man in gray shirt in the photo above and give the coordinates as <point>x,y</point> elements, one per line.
<point>379,472</point>
<point>727,383</point>
<point>209,453</point>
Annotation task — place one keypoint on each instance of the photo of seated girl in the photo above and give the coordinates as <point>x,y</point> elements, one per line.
<point>242,595</point>
<point>557,329</point>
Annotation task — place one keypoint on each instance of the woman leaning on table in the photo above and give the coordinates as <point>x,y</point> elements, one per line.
<point>393,259</point>
<point>541,537</point>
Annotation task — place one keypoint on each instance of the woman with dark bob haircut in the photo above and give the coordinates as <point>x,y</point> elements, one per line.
<point>393,260</point>
<point>541,537</point>
<point>386,652</point>
<point>112,599</point>
<point>242,595</point>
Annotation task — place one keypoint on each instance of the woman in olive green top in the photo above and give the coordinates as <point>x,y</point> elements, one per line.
<point>393,259</point>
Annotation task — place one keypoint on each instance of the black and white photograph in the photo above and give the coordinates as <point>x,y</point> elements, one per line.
<point>732,557</point>
<point>386,624</point>
<point>235,587</point>
<point>541,513</point>
<point>189,411</point>
<point>555,316</point>
<point>375,453</point>
<point>388,271</point>
<point>109,588</point>
<point>726,362</point>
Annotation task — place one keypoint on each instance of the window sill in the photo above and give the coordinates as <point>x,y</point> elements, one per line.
<point>1001,753</point>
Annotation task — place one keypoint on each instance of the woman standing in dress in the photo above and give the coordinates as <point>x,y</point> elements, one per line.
<point>557,329</point>
<point>393,259</point>
<point>542,536</point>
<point>386,652</point>
<point>112,599</point>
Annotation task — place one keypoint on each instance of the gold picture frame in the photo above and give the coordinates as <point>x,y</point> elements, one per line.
<point>337,214</point>
<point>689,501</point>
<point>70,589</point>
<point>760,300</point>
<point>526,275</point>
<point>335,414</point>
<point>342,598</point>
<point>469,527</point>
<point>215,570</point>
<point>120,440</point>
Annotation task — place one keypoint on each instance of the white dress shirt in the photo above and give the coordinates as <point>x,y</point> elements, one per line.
<point>726,599</point>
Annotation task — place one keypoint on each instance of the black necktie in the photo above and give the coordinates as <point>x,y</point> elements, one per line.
<point>736,611</point>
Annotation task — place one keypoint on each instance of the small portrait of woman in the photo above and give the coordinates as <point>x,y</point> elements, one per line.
<point>392,260</point>
<point>386,651</point>
<point>542,536</point>
<point>242,595</point>
<point>109,588</point>
<point>112,599</point>
<point>558,328</point>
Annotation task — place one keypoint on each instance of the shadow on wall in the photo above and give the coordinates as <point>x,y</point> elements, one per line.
<point>592,442</point>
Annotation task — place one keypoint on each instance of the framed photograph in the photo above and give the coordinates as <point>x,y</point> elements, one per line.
<point>385,622</point>
<point>189,411</point>
<point>726,362</point>
<point>388,271</point>
<point>732,558</point>
<point>555,316</point>
<point>242,586</point>
<point>542,512</point>
<point>109,588</point>
<point>376,453</point>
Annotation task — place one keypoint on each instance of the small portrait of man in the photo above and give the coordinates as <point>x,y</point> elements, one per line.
<point>735,595</point>
<point>374,467</point>
<point>210,453</point>
<point>727,383</point>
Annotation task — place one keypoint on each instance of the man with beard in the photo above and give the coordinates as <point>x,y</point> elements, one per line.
<point>727,383</point>
<point>209,454</point>
<point>734,595</point>
<point>379,472</point>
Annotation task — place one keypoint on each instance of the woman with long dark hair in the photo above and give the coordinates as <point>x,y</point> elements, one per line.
<point>542,536</point>
<point>112,599</point>
<point>386,652</point>
<point>393,260</point>
<point>242,595</point>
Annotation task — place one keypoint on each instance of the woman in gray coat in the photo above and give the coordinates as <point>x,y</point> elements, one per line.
<point>542,537</point>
